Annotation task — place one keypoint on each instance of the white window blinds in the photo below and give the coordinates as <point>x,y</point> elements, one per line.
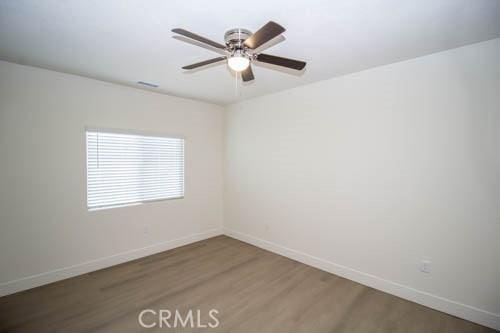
<point>125,169</point>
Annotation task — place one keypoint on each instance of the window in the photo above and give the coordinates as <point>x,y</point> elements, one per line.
<point>127,169</point>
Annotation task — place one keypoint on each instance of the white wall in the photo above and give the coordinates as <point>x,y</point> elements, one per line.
<point>363,175</point>
<point>44,224</point>
<point>369,173</point>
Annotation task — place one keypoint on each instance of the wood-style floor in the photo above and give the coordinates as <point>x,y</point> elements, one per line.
<point>253,290</point>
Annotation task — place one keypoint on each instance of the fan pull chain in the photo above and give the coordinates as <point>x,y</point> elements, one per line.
<point>236,84</point>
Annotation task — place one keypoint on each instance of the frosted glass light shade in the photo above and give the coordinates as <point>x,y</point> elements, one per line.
<point>238,63</point>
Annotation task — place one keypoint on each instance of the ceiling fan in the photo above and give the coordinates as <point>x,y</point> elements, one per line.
<point>240,49</point>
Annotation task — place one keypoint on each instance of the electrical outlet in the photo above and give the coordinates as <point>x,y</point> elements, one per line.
<point>425,266</point>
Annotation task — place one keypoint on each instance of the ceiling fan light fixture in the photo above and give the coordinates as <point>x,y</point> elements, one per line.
<point>238,62</point>
<point>242,49</point>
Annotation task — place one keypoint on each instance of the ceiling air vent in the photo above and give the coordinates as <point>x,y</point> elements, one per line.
<point>147,84</point>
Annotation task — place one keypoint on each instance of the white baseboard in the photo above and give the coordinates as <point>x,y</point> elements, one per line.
<point>457,309</point>
<point>32,281</point>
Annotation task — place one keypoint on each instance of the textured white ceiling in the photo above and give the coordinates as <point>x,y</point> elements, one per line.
<point>126,41</point>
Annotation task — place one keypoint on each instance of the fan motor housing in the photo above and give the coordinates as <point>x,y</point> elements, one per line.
<point>234,38</point>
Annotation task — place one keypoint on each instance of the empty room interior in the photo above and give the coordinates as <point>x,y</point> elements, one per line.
<point>263,166</point>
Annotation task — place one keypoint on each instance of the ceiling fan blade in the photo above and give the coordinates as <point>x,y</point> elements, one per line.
<point>198,38</point>
<point>203,63</point>
<point>265,46</point>
<point>247,74</point>
<point>284,62</point>
<point>264,34</point>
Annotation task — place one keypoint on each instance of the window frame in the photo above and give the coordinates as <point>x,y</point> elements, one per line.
<point>129,132</point>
